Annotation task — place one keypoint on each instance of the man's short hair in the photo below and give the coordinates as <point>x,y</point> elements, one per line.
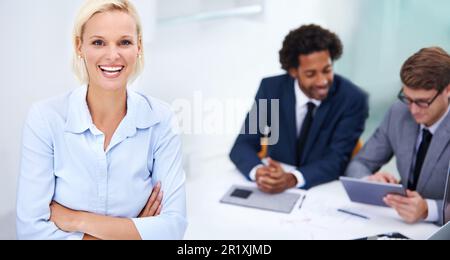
<point>306,40</point>
<point>427,69</point>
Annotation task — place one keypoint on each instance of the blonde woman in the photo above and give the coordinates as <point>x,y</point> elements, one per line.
<point>95,162</point>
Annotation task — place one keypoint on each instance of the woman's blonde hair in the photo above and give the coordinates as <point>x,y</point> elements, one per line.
<point>89,9</point>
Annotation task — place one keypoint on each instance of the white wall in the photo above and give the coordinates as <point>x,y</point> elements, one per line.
<point>35,40</point>
<point>221,58</point>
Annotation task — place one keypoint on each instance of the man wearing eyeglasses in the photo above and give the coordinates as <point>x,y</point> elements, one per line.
<point>416,130</point>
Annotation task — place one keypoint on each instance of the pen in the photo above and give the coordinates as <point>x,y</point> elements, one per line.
<point>301,202</point>
<point>352,213</point>
<point>264,143</point>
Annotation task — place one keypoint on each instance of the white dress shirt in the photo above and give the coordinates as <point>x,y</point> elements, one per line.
<point>433,211</point>
<point>63,159</point>
<point>301,109</point>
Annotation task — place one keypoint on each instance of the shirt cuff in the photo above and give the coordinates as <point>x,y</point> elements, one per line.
<point>300,179</point>
<point>297,174</point>
<point>252,173</point>
<point>433,212</point>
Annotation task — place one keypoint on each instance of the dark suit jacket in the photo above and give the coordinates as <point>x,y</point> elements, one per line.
<point>337,125</point>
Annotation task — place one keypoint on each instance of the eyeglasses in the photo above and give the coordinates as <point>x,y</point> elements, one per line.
<point>420,103</point>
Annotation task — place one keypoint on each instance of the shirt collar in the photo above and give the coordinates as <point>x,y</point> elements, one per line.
<point>300,97</point>
<point>140,114</point>
<point>436,125</point>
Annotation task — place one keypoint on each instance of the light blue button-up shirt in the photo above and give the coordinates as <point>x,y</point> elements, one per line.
<point>63,159</point>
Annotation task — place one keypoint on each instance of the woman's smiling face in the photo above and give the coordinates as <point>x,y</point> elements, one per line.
<point>110,47</point>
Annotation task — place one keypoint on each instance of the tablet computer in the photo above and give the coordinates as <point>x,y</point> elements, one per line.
<point>369,192</point>
<point>253,198</point>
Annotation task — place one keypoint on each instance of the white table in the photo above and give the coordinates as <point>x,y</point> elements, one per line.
<point>318,217</point>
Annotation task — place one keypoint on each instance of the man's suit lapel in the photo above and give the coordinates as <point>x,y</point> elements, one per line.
<point>319,118</point>
<point>410,130</point>
<point>438,144</point>
<point>288,109</point>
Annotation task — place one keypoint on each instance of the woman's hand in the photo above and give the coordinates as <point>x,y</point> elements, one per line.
<point>65,219</point>
<point>153,206</point>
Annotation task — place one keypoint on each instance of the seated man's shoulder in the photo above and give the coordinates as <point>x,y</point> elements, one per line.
<point>276,85</point>
<point>277,78</point>
<point>277,81</point>
<point>399,109</point>
<point>348,88</point>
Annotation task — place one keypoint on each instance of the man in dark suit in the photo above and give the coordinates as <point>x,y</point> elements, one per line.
<point>317,124</point>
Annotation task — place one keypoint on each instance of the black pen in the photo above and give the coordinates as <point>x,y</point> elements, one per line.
<point>352,213</point>
<point>301,202</point>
